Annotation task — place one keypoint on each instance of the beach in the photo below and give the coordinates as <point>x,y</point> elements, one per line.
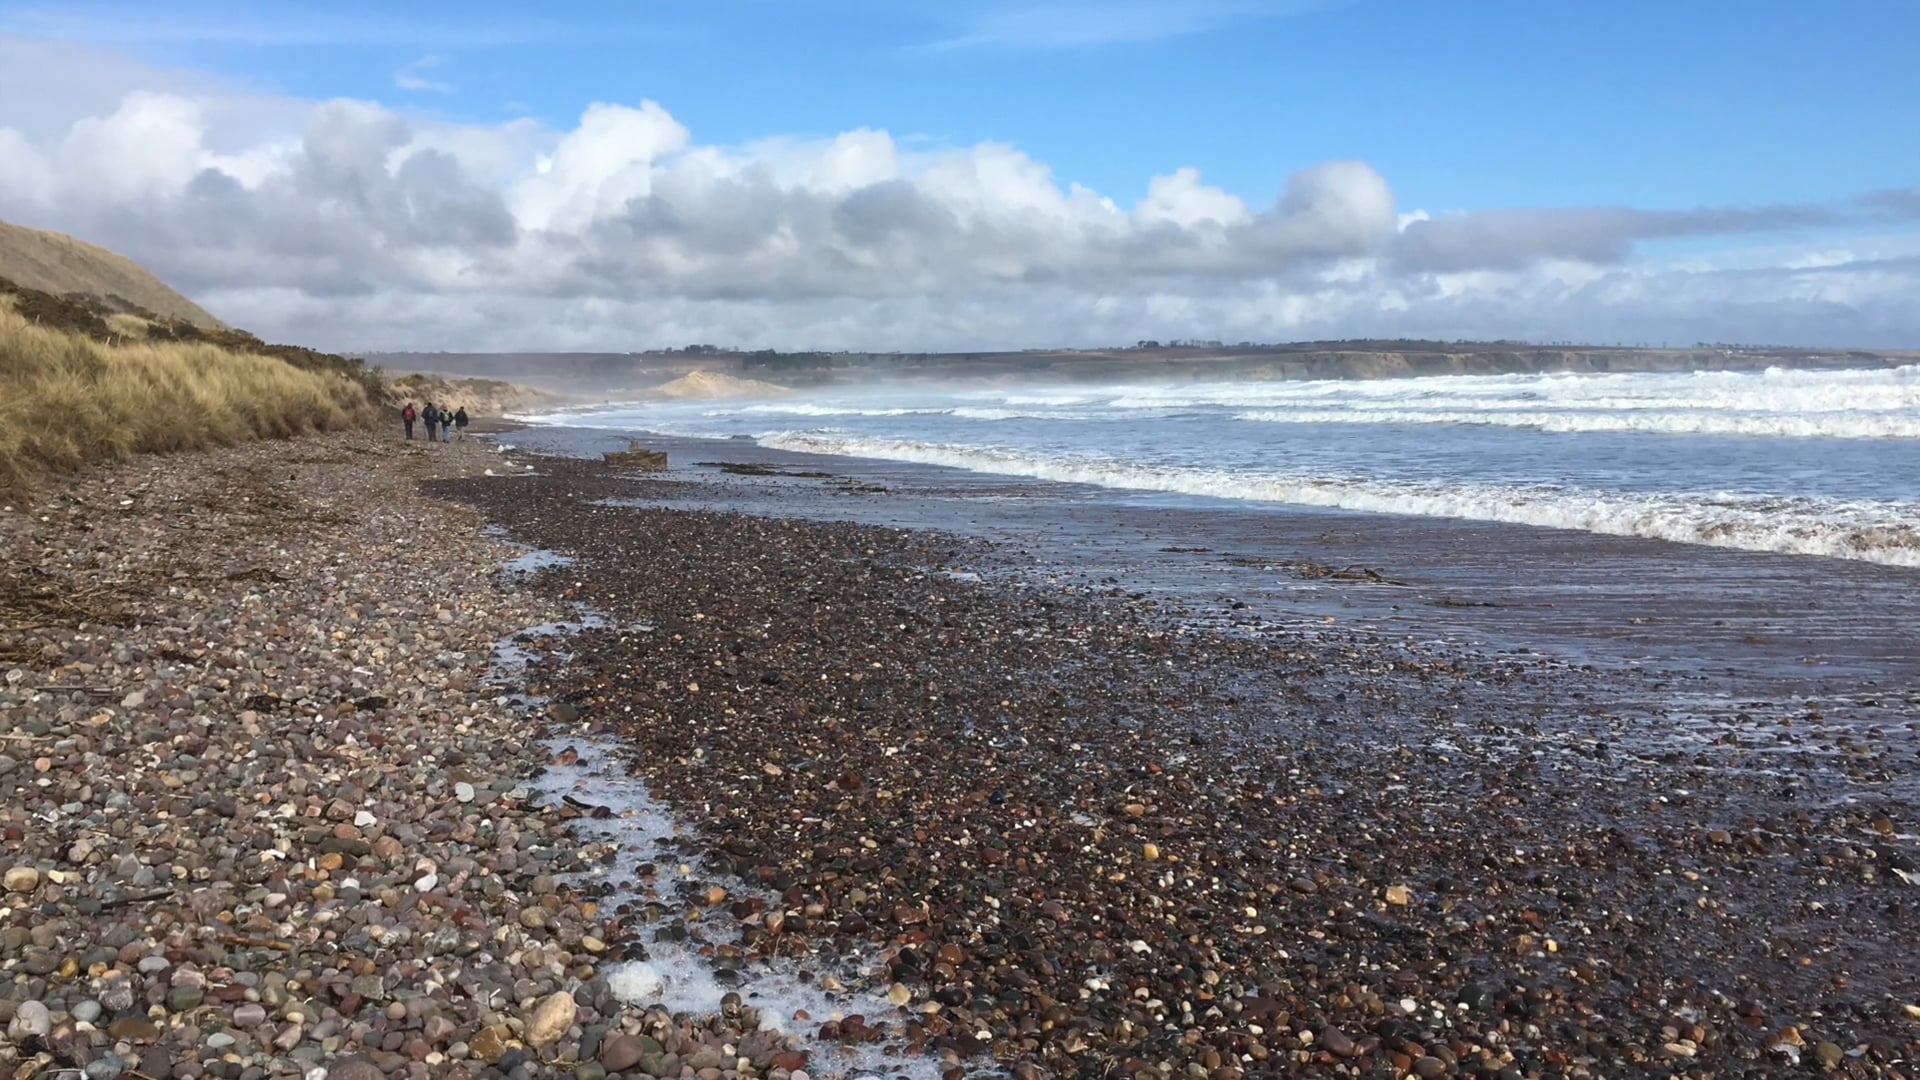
<point>299,778</point>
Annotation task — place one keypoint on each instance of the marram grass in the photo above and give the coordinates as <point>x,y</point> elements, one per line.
<point>68,400</point>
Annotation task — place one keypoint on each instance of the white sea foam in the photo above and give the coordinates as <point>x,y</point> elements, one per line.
<point>1831,425</point>
<point>674,973</point>
<point>1048,399</point>
<point>1870,403</point>
<point>1872,531</point>
<point>1876,403</point>
<point>801,408</point>
<point>1823,461</point>
<point>964,412</point>
<point>981,412</point>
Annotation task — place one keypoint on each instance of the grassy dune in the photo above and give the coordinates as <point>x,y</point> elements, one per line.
<point>67,399</point>
<point>59,264</point>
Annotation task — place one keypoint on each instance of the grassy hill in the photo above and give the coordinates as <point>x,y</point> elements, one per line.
<point>73,390</point>
<point>58,264</point>
<point>100,360</point>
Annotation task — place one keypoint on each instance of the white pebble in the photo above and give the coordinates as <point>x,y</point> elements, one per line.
<point>427,883</point>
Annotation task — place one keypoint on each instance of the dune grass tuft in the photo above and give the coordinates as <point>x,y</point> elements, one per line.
<point>67,399</point>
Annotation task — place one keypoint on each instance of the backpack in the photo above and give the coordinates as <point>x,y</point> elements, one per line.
<point>407,413</point>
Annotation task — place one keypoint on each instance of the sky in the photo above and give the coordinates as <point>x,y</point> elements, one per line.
<point>896,174</point>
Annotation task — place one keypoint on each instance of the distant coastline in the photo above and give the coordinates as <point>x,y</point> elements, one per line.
<point>577,372</point>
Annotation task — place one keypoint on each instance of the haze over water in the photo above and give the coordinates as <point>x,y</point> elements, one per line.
<point>1801,462</point>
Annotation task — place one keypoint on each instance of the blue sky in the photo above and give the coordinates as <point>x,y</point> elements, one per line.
<point>1461,107</point>
<point>1472,104</point>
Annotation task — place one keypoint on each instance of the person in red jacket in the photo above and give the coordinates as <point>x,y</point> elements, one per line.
<point>407,417</point>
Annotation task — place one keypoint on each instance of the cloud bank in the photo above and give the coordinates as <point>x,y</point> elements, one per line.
<point>352,224</point>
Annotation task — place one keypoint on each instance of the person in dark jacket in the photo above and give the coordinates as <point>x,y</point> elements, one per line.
<point>407,416</point>
<point>460,422</point>
<point>432,416</point>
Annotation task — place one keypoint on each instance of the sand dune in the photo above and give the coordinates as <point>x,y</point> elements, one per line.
<point>700,385</point>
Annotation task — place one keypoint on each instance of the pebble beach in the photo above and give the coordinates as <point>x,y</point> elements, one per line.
<point>308,769</point>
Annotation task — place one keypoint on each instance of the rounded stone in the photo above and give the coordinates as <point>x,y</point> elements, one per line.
<point>20,879</point>
<point>622,1053</point>
<point>354,1067</point>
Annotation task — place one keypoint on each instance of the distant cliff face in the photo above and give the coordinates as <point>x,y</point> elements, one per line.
<point>632,374</point>
<point>59,264</point>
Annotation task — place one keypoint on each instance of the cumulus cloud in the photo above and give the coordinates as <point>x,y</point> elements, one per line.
<point>1511,238</point>
<point>355,224</point>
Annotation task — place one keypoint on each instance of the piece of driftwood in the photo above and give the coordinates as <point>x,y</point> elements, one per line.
<point>635,458</point>
<point>255,943</point>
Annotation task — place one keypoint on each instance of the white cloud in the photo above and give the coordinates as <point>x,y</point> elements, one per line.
<point>1180,199</point>
<point>1814,260</point>
<point>354,224</point>
<point>412,76</point>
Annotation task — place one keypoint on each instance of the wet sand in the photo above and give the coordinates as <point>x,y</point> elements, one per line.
<point>1006,756</point>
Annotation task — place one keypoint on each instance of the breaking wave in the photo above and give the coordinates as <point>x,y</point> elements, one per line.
<point>1853,404</point>
<point>1879,532</point>
<point>1829,425</point>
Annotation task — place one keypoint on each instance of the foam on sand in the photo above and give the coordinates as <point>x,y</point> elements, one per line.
<point>674,974</point>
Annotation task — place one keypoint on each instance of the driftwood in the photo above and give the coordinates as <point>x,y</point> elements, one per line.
<point>137,898</point>
<point>635,458</point>
<point>254,942</point>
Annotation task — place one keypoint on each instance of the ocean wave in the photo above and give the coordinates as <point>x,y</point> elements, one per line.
<point>1047,399</point>
<point>1783,425</point>
<point>804,409</point>
<point>1887,533</point>
<point>975,412</point>
<point>1772,392</point>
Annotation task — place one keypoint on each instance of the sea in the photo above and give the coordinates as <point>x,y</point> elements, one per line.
<point>1814,464</point>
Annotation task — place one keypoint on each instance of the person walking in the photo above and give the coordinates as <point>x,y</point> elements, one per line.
<point>460,422</point>
<point>432,416</point>
<point>407,416</point>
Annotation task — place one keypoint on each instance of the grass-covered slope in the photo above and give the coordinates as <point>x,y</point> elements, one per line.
<point>74,390</point>
<point>56,263</point>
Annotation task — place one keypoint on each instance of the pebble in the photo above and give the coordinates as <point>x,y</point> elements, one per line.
<point>354,1067</point>
<point>551,1018</point>
<point>134,1029</point>
<point>1097,871</point>
<point>31,1019</point>
<point>621,1053</point>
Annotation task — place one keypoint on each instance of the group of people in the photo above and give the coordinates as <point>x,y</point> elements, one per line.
<point>442,424</point>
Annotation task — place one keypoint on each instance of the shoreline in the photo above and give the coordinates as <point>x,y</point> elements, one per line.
<point>264,811</point>
<point>1794,625</point>
<point>1028,773</point>
<point>1021,819</point>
